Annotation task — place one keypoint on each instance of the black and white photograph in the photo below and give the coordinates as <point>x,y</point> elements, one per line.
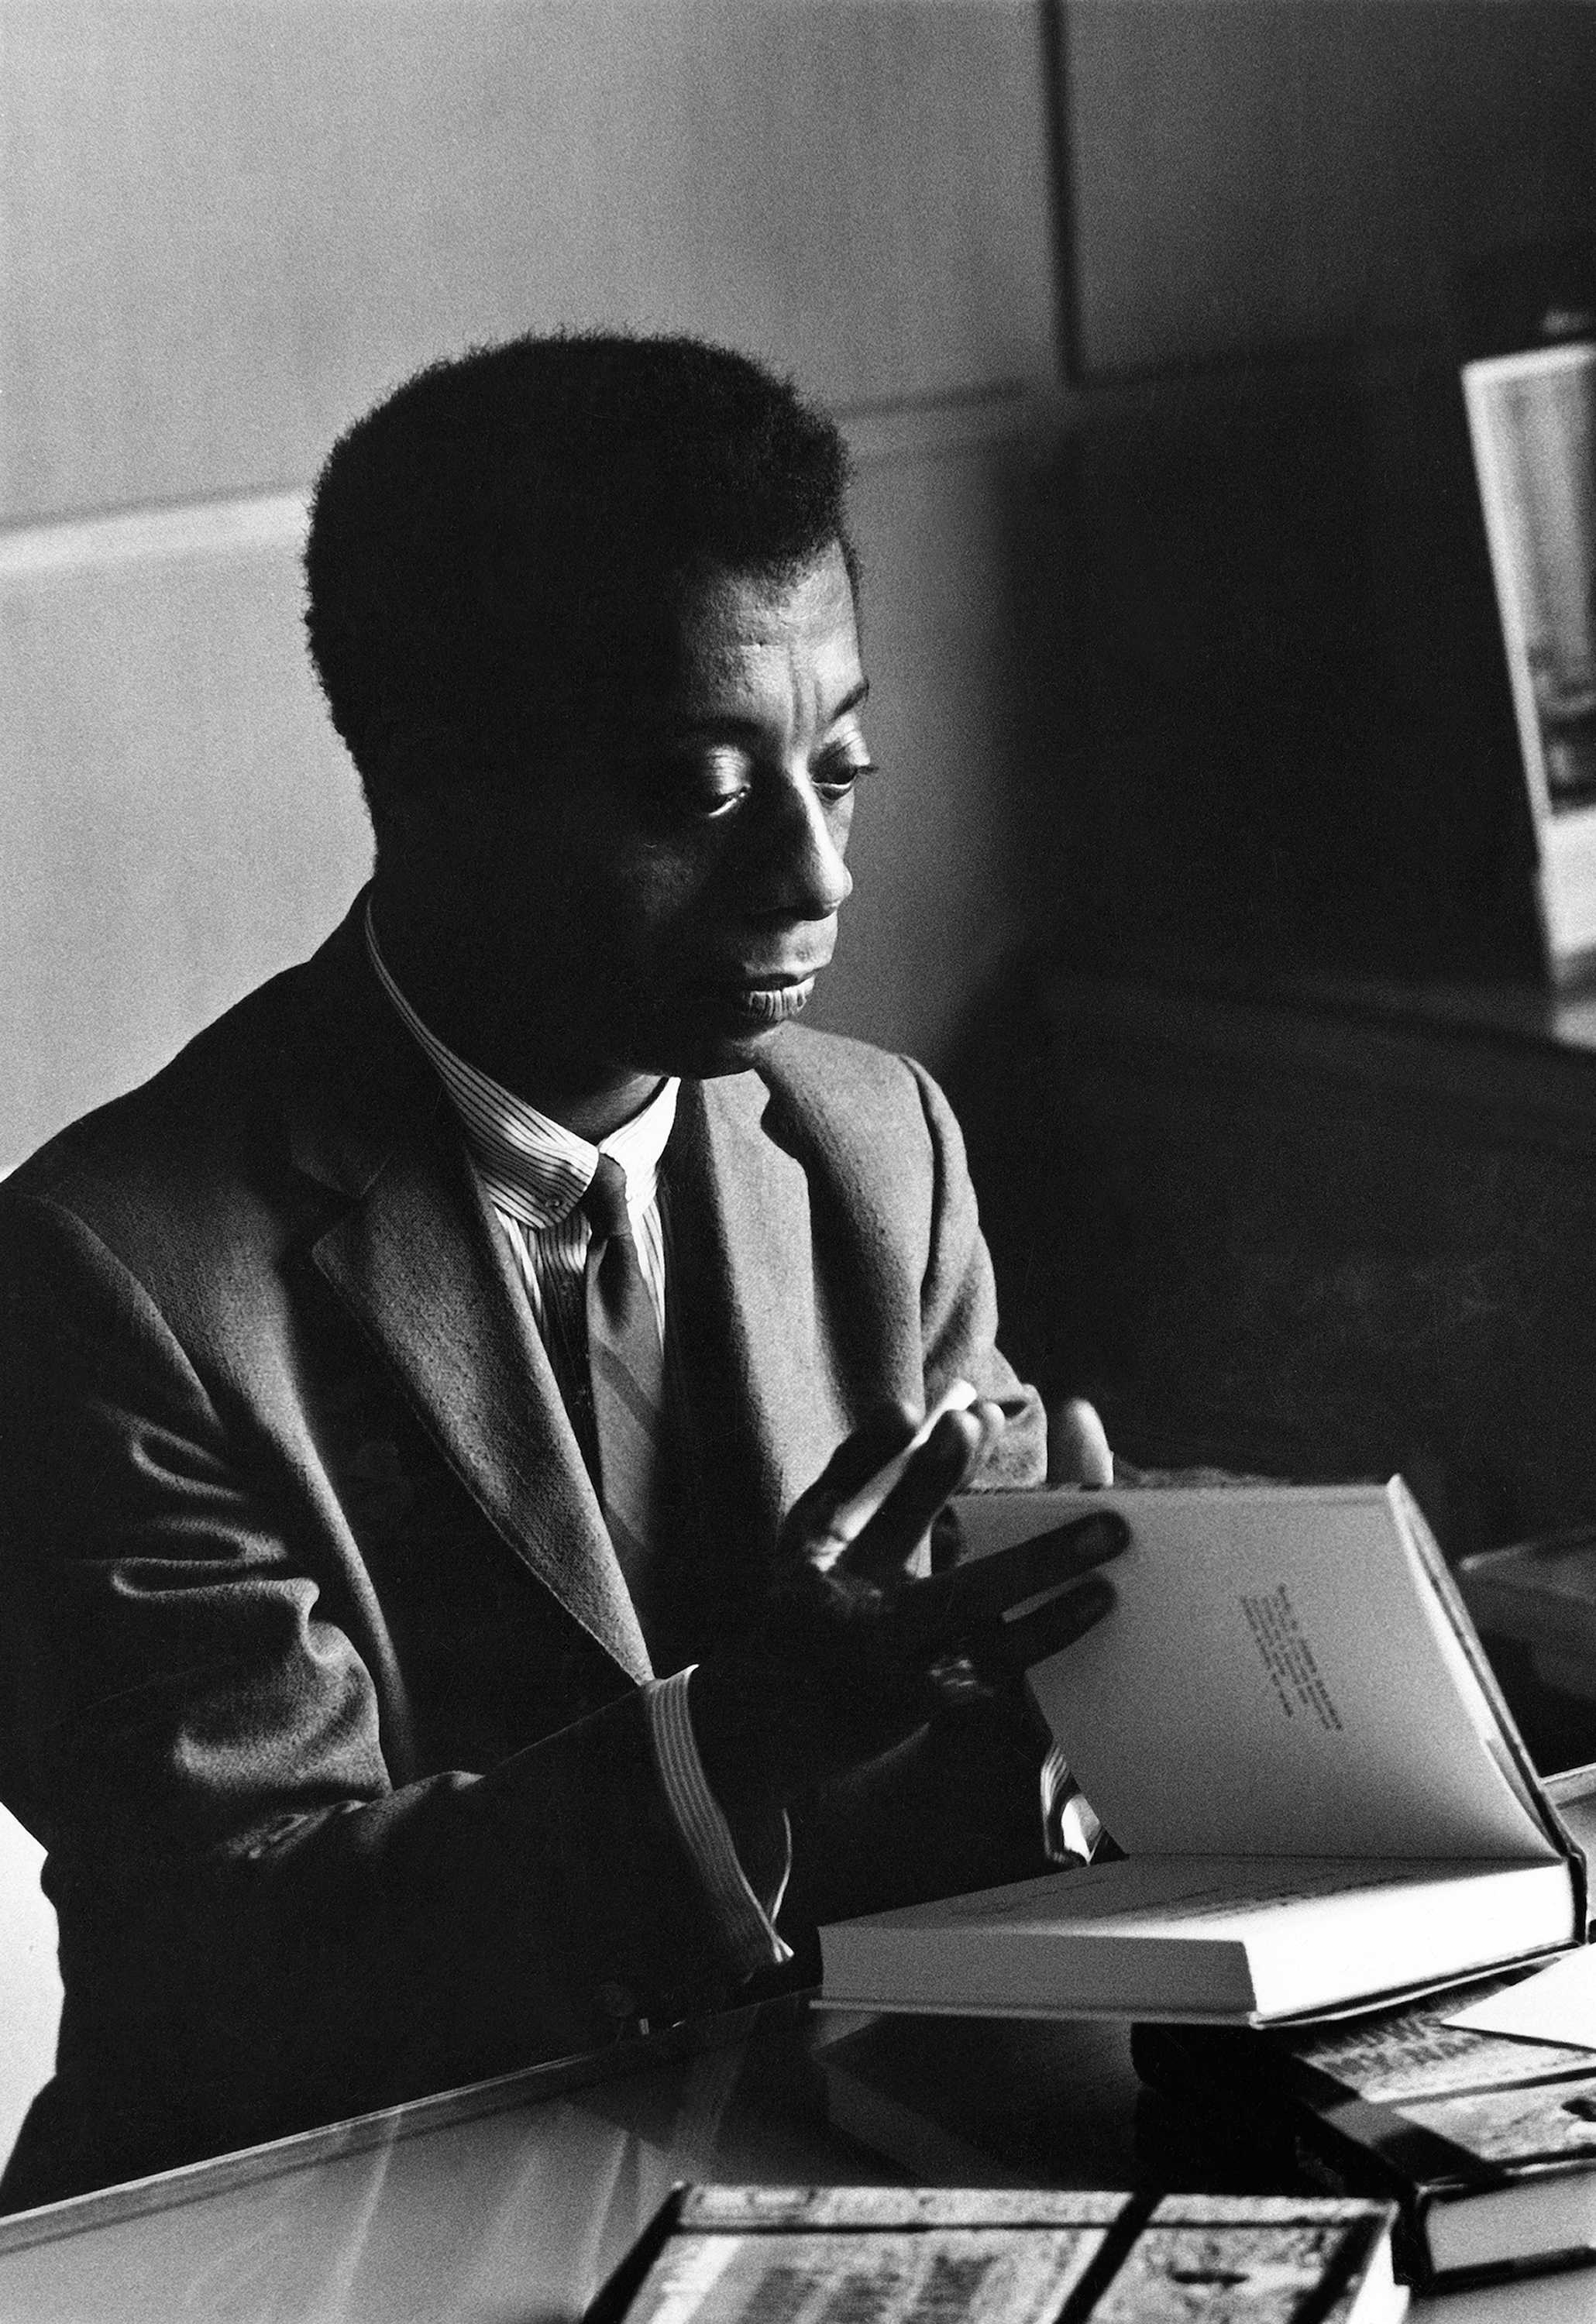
<point>797,1160</point>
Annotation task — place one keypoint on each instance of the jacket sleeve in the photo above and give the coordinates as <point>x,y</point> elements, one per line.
<point>258,1930</point>
<point>959,1305</point>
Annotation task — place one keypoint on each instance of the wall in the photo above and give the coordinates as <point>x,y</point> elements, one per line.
<point>227,225</point>
<point>1252,175</point>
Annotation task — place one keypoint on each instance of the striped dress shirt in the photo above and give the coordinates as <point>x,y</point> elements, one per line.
<point>534,1173</point>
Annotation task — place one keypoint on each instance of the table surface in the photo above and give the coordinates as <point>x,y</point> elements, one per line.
<point>515,2201</point>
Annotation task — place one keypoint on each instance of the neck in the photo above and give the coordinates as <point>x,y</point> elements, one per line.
<point>458,995</point>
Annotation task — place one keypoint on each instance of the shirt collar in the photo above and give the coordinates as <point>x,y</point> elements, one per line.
<point>535,1168</point>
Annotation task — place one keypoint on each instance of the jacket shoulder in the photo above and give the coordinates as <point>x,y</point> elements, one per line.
<point>882,1108</point>
<point>857,1117</point>
<point>830,1075</point>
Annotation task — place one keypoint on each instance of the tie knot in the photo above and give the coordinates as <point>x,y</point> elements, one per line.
<point>605,1201</point>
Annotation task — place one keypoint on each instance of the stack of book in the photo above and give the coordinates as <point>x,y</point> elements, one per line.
<point>1330,1824</point>
<point>1487,2145</point>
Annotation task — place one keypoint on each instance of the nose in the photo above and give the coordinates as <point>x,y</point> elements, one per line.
<point>804,874</point>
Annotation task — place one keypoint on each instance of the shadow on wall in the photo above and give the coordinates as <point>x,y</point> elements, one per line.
<point>1272,724</point>
<point>1290,1242</point>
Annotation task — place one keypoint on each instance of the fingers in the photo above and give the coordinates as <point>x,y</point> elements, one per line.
<point>877,1440</point>
<point>1077,1446</point>
<point>1001,1647</point>
<point>811,1531</point>
<point>946,1461</point>
<point>883,1488</point>
<point>993,1585</point>
<point>984,1590</point>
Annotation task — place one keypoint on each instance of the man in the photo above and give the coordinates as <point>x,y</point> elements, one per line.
<point>446,1626</point>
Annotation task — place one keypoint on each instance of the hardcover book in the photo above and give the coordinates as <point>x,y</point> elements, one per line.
<point>1288,1725</point>
<point>898,2255</point>
<point>1488,2144</point>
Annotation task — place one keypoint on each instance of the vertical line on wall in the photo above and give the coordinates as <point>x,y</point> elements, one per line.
<point>1066,306</point>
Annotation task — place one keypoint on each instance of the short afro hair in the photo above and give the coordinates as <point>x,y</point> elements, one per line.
<point>497,550</point>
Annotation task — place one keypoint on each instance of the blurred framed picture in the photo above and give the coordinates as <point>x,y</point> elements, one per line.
<point>1532,425</point>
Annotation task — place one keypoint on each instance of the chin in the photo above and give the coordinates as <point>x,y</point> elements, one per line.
<point>711,1056</point>
<point>701,1043</point>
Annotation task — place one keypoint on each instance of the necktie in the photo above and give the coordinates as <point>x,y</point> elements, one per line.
<point>625,1367</point>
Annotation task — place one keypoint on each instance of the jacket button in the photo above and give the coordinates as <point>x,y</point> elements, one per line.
<point>617,2000</point>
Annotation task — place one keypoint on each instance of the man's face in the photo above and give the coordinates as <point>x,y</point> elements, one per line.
<point>663,903</point>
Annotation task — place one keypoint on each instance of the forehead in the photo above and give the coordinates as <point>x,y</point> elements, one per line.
<point>741,633</point>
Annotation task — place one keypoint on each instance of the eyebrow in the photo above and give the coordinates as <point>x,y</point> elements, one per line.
<point>740,730</point>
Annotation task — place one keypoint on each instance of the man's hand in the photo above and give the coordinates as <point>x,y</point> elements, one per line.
<point>839,1663</point>
<point>1077,1446</point>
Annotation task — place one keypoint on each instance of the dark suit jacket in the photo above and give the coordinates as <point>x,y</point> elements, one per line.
<point>319,1677</point>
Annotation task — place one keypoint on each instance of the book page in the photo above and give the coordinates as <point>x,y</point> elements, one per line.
<point>1276,1678</point>
<point>1558,2004</point>
<point>1209,1896</point>
<point>1472,1676</point>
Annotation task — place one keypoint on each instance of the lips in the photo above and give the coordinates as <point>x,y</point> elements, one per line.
<point>762,1001</point>
<point>769,1001</point>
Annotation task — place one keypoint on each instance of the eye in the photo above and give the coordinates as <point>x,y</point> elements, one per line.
<point>701,786</point>
<point>844,759</point>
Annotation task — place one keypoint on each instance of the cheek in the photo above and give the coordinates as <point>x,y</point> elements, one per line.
<point>640,910</point>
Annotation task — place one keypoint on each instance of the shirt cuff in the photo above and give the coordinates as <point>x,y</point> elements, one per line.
<point>748,1927</point>
<point>1070,1827</point>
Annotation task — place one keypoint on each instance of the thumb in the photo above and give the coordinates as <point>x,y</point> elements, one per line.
<point>1077,1446</point>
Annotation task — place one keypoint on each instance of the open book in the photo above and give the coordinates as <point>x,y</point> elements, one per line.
<point>1287,1724</point>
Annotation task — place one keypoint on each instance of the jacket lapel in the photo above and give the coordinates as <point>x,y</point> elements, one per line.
<point>764,1408</point>
<point>422,1267</point>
